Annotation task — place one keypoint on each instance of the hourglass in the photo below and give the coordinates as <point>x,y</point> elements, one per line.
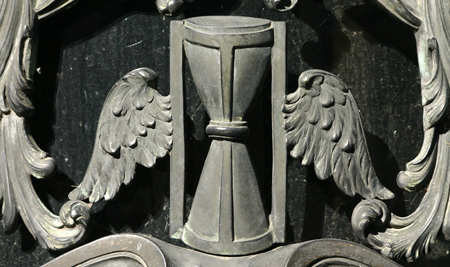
<point>228,58</point>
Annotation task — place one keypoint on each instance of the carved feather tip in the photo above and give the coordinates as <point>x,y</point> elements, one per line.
<point>76,194</point>
<point>385,194</point>
<point>146,74</point>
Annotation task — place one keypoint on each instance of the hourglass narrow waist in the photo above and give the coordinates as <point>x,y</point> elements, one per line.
<point>227,130</point>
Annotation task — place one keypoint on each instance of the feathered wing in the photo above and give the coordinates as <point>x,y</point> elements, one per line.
<point>135,126</point>
<point>323,127</point>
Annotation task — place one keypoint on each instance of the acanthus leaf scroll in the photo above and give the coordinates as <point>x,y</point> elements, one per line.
<point>20,157</point>
<point>414,235</point>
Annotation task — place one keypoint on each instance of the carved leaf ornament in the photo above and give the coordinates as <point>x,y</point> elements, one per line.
<point>20,157</point>
<point>415,234</point>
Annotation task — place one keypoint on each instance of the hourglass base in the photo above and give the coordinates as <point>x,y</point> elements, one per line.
<point>237,247</point>
<point>227,216</point>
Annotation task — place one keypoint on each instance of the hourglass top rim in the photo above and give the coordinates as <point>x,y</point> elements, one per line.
<point>227,24</point>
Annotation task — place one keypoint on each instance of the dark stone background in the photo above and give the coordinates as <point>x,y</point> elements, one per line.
<point>85,50</point>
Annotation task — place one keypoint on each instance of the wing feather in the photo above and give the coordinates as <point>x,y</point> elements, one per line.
<point>323,127</point>
<point>322,162</point>
<point>135,127</point>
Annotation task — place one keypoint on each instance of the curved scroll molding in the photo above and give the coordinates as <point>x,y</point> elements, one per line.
<point>407,11</point>
<point>332,252</point>
<point>45,8</point>
<point>20,157</point>
<point>415,234</point>
<point>148,251</point>
<point>126,250</point>
<point>339,262</point>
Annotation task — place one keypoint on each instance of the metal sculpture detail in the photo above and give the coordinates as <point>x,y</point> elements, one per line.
<point>134,127</point>
<point>142,118</point>
<point>415,234</point>
<point>20,157</point>
<point>323,127</point>
<point>134,250</point>
<point>228,58</point>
